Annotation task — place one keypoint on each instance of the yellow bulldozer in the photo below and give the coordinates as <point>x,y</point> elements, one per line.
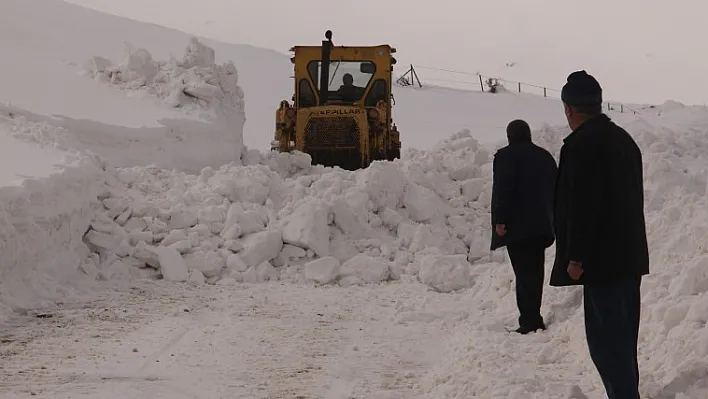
<point>341,111</point>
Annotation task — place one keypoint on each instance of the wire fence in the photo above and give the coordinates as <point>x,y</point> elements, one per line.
<point>485,83</point>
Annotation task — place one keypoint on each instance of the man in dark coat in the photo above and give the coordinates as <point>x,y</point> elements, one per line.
<point>600,232</point>
<point>522,217</point>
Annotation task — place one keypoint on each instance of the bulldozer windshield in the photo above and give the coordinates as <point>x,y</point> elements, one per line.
<point>347,79</point>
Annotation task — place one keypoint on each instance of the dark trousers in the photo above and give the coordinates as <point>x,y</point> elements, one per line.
<point>527,259</point>
<point>612,330</point>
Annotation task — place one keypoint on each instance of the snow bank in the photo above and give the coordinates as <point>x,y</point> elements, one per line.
<point>280,217</point>
<point>46,43</point>
<point>183,114</point>
<point>195,82</point>
<point>195,85</point>
<point>673,336</point>
<point>425,217</point>
<point>43,219</point>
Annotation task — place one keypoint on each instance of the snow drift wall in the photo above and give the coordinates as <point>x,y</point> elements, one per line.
<point>42,224</point>
<point>207,127</point>
<point>279,217</point>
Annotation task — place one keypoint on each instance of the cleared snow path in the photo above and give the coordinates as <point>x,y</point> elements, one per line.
<point>265,341</point>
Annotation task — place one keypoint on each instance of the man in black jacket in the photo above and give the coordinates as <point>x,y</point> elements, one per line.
<point>600,232</point>
<point>522,217</point>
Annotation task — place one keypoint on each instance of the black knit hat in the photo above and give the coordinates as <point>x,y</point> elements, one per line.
<point>518,131</point>
<point>581,90</point>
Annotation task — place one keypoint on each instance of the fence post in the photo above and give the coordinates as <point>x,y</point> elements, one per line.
<point>622,108</point>
<point>544,92</point>
<point>519,87</point>
<point>481,83</point>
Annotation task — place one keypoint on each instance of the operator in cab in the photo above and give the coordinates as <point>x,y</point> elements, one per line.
<point>347,91</point>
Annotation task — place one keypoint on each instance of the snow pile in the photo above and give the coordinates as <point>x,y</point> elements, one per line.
<point>135,126</point>
<point>674,333</point>
<point>193,80</point>
<point>43,220</point>
<point>280,217</point>
<point>195,84</point>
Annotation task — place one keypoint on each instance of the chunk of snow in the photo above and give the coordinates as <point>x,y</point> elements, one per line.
<point>292,252</point>
<point>173,237</point>
<point>307,227</point>
<point>234,262</point>
<point>423,237</point>
<point>90,269</point>
<point>232,216</point>
<point>196,277</point>
<point>251,184</point>
<point>233,245</point>
<point>231,233</point>
<point>147,253</point>
<point>250,276</point>
<point>261,247</point>
<point>384,182</point>
<point>103,241</point>
<point>213,280</point>
<point>367,269</point>
<point>266,272</point>
<point>157,226</point>
<point>103,224</point>
<point>342,250</point>
<point>198,54</point>
<point>391,218</point>
<point>201,229</point>
<point>123,217</point>
<point>209,263</point>
<point>231,280</point>
<point>210,215</point>
<point>464,173</point>
<point>141,64</point>
<point>96,65</point>
<point>251,222</point>
<point>472,189</point>
<point>116,271</point>
<point>203,91</point>
<point>183,220</point>
<point>172,265</point>
<point>182,247</point>
<point>445,273</point>
<point>350,280</point>
<point>421,203</point>
<point>351,216</point>
<point>323,271</point>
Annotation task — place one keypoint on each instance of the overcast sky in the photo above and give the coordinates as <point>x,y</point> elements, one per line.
<point>640,50</point>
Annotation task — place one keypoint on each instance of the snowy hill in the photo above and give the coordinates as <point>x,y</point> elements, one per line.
<point>205,275</point>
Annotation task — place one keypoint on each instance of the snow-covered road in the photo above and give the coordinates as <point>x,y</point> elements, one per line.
<point>263,341</point>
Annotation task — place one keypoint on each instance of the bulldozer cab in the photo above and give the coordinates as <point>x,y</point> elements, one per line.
<point>350,80</point>
<point>341,112</point>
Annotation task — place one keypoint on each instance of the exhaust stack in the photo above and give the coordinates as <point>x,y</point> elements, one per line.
<point>324,72</point>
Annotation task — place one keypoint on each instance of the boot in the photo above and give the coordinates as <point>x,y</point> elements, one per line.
<point>529,329</point>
